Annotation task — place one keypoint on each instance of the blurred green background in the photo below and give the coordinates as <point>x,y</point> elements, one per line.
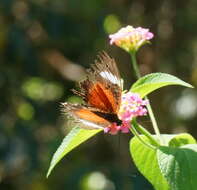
<point>45,46</point>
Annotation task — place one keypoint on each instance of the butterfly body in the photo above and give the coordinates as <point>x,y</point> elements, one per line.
<point>101,92</point>
<point>111,117</point>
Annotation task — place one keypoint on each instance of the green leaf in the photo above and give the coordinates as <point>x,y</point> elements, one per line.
<point>151,82</point>
<point>181,139</point>
<point>179,167</point>
<point>75,137</point>
<point>145,159</point>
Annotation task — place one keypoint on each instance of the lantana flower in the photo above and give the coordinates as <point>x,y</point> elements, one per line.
<point>132,106</point>
<point>130,38</point>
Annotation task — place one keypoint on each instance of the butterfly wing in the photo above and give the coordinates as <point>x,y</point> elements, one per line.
<point>102,88</point>
<point>84,116</point>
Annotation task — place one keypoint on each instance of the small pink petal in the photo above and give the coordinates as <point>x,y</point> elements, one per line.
<point>113,129</point>
<point>106,130</point>
<point>125,127</point>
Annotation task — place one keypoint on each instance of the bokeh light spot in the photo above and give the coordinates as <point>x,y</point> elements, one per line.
<point>97,181</point>
<point>25,111</point>
<point>185,107</point>
<point>75,99</point>
<point>38,89</point>
<point>111,24</point>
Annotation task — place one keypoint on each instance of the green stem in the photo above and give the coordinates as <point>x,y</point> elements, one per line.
<point>153,120</point>
<point>134,131</point>
<point>134,64</point>
<point>143,131</point>
<point>149,108</point>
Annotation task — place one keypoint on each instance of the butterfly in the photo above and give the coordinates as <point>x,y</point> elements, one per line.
<point>101,91</point>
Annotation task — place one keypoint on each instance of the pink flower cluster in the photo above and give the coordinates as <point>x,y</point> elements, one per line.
<point>132,105</point>
<point>130,38</point>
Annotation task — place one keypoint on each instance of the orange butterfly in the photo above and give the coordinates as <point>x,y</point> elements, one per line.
<point>101,92</point>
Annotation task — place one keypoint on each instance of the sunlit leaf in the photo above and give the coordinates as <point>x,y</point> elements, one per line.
<point>151,82</point>
<point>181,139</point>
<point>75,137</point>
<point>145,159</point>
<point>179,167</point>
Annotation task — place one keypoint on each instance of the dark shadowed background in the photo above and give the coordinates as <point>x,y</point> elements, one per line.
<point>45,46</point>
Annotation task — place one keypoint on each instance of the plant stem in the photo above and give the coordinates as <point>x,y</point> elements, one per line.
<point>135,132</point>
<point>150,111</point>
<point>143,131</point>
<point>153,120</point>
<point>134,64</point>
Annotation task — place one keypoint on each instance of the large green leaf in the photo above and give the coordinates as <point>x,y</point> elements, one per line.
<point>145,159</point>
<point>181,139</point>
<point>179,167</point>
<point>151,82</point>
<point>75,137</point>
